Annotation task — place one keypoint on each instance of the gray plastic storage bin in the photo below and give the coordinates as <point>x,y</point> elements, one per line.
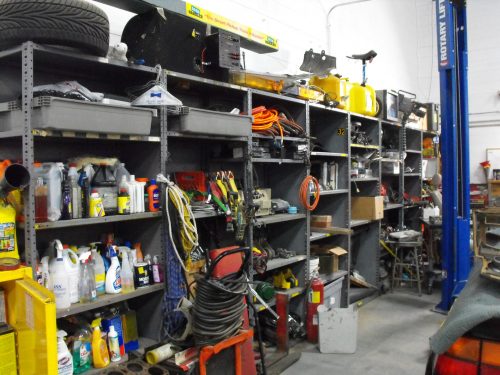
<point>333,289</point>
<point>201,121</point>
<point>76,115</point>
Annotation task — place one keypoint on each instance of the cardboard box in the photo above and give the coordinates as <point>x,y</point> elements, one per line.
<point>367,208</point>
<point>329,258</point>
<point>321,221</point>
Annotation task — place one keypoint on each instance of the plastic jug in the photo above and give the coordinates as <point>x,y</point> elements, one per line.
<point>104,182</point>
<point>52,176</point>
<point>8,243</point>
<point>99,272</point>
<point>64,358</point>
<point>71,266</point>
<point>362,100</point>
<point>334,86</point>
<point>60,281</point>
<point>100,354</point>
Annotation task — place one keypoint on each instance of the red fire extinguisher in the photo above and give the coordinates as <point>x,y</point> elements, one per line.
<point>315,298</point>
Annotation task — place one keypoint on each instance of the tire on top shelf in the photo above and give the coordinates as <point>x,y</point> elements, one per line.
<point>70,23</point>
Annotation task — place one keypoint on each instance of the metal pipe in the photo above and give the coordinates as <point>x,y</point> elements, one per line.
<point>328,40</point>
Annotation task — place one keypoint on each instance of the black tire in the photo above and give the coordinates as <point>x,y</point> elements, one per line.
<point>69,23</point>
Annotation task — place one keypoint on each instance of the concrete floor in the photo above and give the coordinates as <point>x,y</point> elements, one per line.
<point>393,339</point>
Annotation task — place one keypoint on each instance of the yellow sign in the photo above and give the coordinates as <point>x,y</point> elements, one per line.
<point>224,23</point>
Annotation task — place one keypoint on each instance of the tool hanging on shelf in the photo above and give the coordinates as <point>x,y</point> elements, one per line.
<point>220,199</point>
<point>309,187</point>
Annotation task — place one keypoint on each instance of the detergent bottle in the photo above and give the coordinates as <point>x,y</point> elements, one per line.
<point>114,346</point>
<point>153,197</point>
<point>82,350</point>
<point>100,354</point>
<point>113,278</point>
<point>64,359</point>
<point>99,272</point>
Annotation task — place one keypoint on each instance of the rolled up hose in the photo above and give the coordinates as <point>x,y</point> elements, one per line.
<point>304,193</point>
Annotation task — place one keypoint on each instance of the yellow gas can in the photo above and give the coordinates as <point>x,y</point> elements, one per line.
<point>362,100</point>
<point>334,86</point>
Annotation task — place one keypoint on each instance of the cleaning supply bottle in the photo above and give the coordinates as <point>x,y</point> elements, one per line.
<point>100,354</point>
<point>72,265</point>
<point>52,177</point>
<point>153,197</point>
<point>82,350</point>
<point>140,188</point>
<point>96,207</point>
<point>41,192</point>
<point>87,287</point>
<point>132,190</point>
<point>99,272</point>
<point>123,197</point>
<point>129,327</point>
<point>157,270</point>
<point>104,182</point>
<point>127,275</point>
<point>121,171</point>
<point>60,281</point>
<point>64,359</point>
<point>113,278</point>
<point>8,243</point>
<point>149,262</point>
<point>114,346</point>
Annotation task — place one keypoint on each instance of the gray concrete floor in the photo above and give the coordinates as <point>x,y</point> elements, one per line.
<point>393,339</point>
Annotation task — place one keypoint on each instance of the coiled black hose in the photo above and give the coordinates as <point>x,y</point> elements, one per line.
<point>218,308</point>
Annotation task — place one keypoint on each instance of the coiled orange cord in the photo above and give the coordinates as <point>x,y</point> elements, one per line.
<point>304,193</point>
<point>265,119</point>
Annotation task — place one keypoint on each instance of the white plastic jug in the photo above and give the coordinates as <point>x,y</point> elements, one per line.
<point>72,267</point>
<point>52,176</point>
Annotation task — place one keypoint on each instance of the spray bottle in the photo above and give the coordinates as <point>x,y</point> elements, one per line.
<point>87,288</point>
<point>82,350</point>
<point>64,359</point>
<point>113,278</point>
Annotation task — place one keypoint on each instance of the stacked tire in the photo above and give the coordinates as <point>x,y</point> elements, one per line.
<point>69,23</point>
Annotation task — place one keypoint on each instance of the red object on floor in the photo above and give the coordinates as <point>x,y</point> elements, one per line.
<point>315,298</point>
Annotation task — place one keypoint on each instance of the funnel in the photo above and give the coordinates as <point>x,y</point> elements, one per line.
<point>15,177</point>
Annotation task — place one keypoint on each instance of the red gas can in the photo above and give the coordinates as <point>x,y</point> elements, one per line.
<point>315,298</point>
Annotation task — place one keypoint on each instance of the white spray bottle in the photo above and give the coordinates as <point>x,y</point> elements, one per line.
<point>64,358</point>
<point>60,281</point>
<point>113,277</point>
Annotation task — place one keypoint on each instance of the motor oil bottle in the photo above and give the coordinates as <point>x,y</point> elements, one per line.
<point>104,182</point>
<point>82,350</point>
<point>123,197</point>
<point>113,278</point>
<point>153,197</point>
<point>84,183</point>
<point>64,359</point>
<point>100,354</point>
<point>96,206</point>
<point>41,193</point>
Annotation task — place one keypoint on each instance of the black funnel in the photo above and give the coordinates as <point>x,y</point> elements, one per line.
<point>15,177</point>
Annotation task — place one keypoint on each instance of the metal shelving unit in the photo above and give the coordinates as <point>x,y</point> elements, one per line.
<point>413,180</point>
<point>30,64</point>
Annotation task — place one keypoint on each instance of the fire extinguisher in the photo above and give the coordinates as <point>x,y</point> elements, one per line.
<point>315,298</point>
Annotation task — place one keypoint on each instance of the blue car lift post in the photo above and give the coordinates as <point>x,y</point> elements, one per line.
<point>453,66</point>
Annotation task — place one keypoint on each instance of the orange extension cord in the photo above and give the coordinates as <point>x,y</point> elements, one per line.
<point>304,193</point>
<point>265,119</point>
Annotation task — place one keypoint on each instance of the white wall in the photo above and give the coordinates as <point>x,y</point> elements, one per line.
<point>402,32</point>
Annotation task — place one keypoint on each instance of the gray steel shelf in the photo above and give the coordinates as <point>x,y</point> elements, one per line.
<point>175,134</point>
<point>283,262</point>
<point>206,214</point>
<point>392,206</point>
<point>95,220</point>
<point>276,96</point>
<point>357,115</point>
<point>368,147</point>
<point>11,133</point>
<point>330,109</point>
<point>334,192</point>
<point>42,133</point>
<point>357,223</point>
<point>278,218</point>
<point>270,137</point>
<point>367,179</point>
<point>277,161</point>
<point>107,299</point>
<point>316,236</point>
<point>413,175</point>
<point>333,276</point>
<point>201,80</point>
<point>413,151</point>
<point>329,154</point>
<point>292,292</point>
<point>391,123</point>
